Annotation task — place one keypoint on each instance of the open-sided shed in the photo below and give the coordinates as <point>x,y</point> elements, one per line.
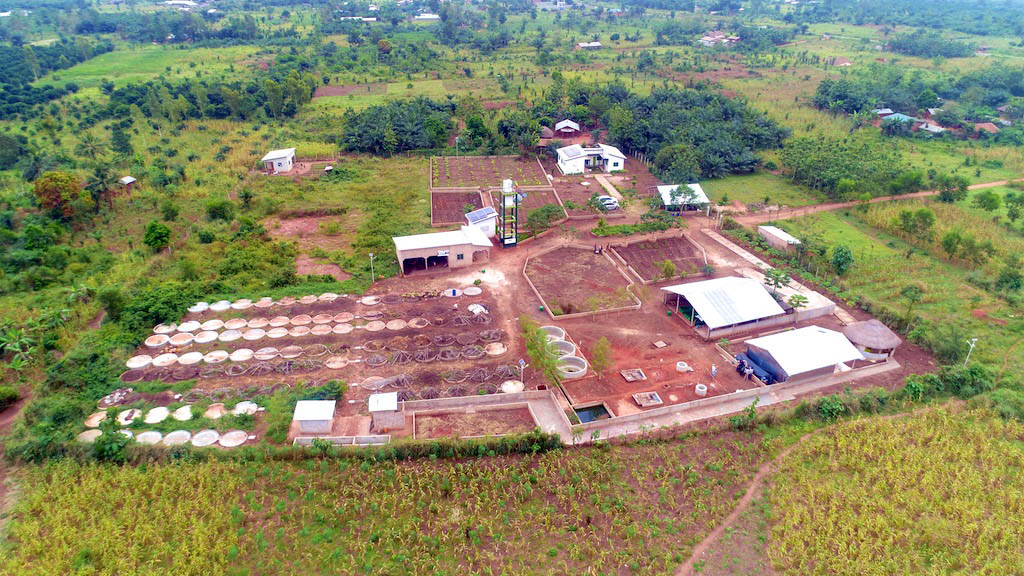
<point>723,306</point>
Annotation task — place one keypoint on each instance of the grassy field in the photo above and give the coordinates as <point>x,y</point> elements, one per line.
<point>932,493</point>
<point>886,264</point>
<point>142,63</point>
<point>634,509</point>
<point>752,188</point>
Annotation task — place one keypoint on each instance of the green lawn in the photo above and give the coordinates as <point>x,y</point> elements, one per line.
<point>751,188</point>
<point>142,63</point>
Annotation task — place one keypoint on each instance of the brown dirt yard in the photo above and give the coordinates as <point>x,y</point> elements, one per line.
<point>646,256</point>
<point>451,207</point>
<point>574,279</point>
<point>484,422</point>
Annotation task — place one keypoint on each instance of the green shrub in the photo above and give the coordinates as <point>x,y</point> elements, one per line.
<point>1008,404</point>
<point>220,210</point>
<point>8,396</point>
<point>830,408</point>
<point>113,300</point>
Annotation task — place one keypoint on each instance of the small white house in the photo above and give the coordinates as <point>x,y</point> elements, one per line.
<point>576,159</point>
<point>278,161</point>
<point>567,128</point>
<point>588,45</point>
<point>314,416</point>
<point>689,197</point>
<point>385,412</point>
<point>426,17</point>
<point>127,181</point>
<point>486,219</point>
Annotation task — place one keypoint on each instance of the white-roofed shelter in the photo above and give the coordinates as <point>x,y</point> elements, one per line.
<point>803,353</point>
<point>314,416</point>
<point>454,249</point>
<point>385,412</point>
<point>723,306</point>
<point>486,219</point>
<point>567,128</point>
<point>778,238</point>
<point>689,197</point>
<point>277,161</point>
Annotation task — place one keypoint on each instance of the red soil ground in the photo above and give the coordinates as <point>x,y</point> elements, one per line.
<point>489,422</point>
<point>485,172</point>
<point>450,207</point>
<point>577,280</point>
<point>645,256</point>
<point>346,89</point>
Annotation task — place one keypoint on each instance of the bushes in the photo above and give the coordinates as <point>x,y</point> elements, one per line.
<point>220,210</point>
<point>542,218</point>
<point>950,380</point>
<point>1008,404</point>
<point>8,396</point>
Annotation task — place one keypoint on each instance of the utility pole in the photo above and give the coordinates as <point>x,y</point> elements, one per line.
<point>372,279</point>
<point>972,341</point>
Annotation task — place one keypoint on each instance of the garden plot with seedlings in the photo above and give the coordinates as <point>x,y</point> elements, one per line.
<point>451,207</point>
<point>572,279</point>
<point>484,171</point>
<point>630,508</point>
<point>423,345</point>
<point>647,257</point>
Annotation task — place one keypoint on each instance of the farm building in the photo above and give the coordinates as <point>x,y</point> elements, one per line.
<point>931,128</point>
<point>802,353</point>
<point>385,412</point>
<point>874,339</point>
<point>277,161</point>
<point>778,238</point>
<point>723,306</point>
<point>840,61</point>
<point>677,197</point>
<point>546,133</point>
<point>314,416</point>
<point>453,249</point>
<point>882,112</point>
<point>576,159</point>
<point>567,128</point>
<point>127,181</point>
<point>986,127</point>
<point>588,45</point>
<point>426,17</point>
<point>486,219</point>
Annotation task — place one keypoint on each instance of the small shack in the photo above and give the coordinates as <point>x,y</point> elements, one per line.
<point>778,238</point>
<point>385,412</point>
<point>874,339</point>
<point>546,133</point>
<point>486,219</point>
<point>314,416</point>
<point>589,45</point>
<point>128,182</point>
<point>453,249</point>
<point>278,161</point>
<point>689,197</point>
<point>803,353</point>
<point>567,128</point>
<point>722,306</point>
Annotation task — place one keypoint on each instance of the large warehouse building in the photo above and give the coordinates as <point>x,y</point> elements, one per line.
<point>723,306</point>
<point>803,353</point>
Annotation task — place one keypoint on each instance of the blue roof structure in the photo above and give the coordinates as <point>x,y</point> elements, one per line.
<point>480,215</point>
<point>900,118</point>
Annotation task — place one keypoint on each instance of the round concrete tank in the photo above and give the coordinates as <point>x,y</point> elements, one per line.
<point>572,367</point>
<point>561,348</point>
<point>553,332</point>
<point>701,390</point>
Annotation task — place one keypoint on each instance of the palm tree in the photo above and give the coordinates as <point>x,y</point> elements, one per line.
<point>90,147</point>
<point>100,182</point>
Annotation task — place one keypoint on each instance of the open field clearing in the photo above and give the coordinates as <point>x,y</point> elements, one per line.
<point>635,509</point>
<point>755,188</point>
<point>143,63</point>
<point>935,493</point>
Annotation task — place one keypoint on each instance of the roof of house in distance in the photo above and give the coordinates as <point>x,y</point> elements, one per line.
<point>386,402</point>
<point>872,334</point>
<point>464,235</point>
<point>126,180</point>
<point>314,410</point>
<point>669,196</point>
<point>806,349</point>
<point>571,152</point>
<point>477,216</point>
<point>728,301</point>
<point>275,154</point>
<point>567,124</point>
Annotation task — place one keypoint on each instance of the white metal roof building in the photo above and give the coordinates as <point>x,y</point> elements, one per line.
<point>485,219</point>
<point>778,238</point>
<point>279,160</point>
<point>567,126</point>
<point>455,249</point>
<point>692,196</point>
<point>314,416</point>
<point>126,180</point>
<point>804,352</point>
<point>724,303</point>
<point>385,413</point>
<point>575,159</point>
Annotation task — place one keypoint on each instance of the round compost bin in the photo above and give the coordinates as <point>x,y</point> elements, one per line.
<point>553,332</point>
<point>561,348</point>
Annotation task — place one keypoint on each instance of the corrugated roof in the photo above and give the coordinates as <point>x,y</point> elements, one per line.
<point>571,152</point>
<point>314,410</point>
<point>464,235</point>
<point>477,216</point>
<point>806,349</point>
<point>669,196</point>
<point>386,402</point>
<point>728,301</point>
<point>275,154</point>
<point>567,124</point>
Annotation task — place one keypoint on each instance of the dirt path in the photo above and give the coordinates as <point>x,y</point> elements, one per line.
<point>757,482</point>
<point>767,216</point>
<point>7,418</point>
